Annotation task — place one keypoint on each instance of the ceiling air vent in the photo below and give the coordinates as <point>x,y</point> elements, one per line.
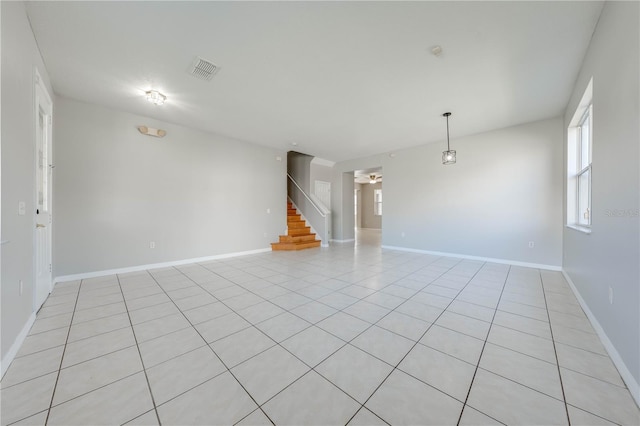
<point>203,69</point>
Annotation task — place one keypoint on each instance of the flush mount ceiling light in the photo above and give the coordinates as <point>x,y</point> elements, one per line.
<point>155,97</point>
<point>448,156</point>
<point>372,179</point>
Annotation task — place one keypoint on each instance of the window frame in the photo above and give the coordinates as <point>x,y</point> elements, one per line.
<point>377,202</point>
<point>576,168</point>
<point>582,169</point>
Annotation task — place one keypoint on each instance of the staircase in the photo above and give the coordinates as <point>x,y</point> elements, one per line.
<point>298,236</point>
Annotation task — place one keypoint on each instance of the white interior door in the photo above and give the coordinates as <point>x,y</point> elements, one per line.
<point>323,192</point>
<point>43,214</point>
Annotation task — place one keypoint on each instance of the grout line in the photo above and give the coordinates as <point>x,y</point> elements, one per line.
<point>207,344</point>
<point>133,331</point>
<point>506,279</point>
<point>555,352</point>
<point>55,386</point>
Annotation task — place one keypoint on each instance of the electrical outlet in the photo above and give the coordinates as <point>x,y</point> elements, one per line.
<point>402,234</point>
<point>268,211</point>
<point>265,235</point>
<point>610,295</point>
<point>152,244</point>
<point>22,208</point>
<point>21,287</point>
<point>532,244</point>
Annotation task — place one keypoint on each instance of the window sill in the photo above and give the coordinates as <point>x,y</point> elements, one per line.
<point>578,228</point>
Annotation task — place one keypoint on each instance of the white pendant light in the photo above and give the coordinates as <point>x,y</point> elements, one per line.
<point>448,156</point>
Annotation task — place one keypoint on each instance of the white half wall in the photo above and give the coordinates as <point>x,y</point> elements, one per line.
<point>609,257</point>
<point>504,192</point>
<point>193,194</point>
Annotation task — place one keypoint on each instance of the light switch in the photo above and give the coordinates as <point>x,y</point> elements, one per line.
<point>22,208</point>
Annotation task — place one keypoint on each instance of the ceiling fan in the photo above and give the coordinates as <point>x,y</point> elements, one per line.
<point>370,178</point>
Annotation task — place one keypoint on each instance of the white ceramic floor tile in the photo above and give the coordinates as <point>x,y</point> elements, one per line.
<point>584,418</point>
<point>33,365</point>
<point>27,398</point>
<point>585,362</point>
<point>159,327</point>
<point>41,341</point>
<point>456,344</point>
<point>283,326</point>
<point>221,327</point>
<point>99,312</point>
<point>150,418</point>
<point>96,373</point>
<point>471,417</point>
<point>418,310</point>
<point>96,346</point>
<point>524,324</point>
<point>312,345</point>
<point>39,419</point>
<point>92,328</point>
<point>365,417</point>
<point>116,403</point>
<point>528,344</point>
<point>355,372</point>
<point>178,375</point>
<point>314,312</point>
<point>170,345</point>
<point>444,372</point>
<point>344,326</point>
<point>512,403</point>
<point>383,344</point>
<point>256,418</point>
<point>463,324</point>
<point>260,312</point>
<point>269,372</point>
<point>404,325</point>
<point>324,404</point>
<point>528,371</point>
<point>471,310</point>
<point>404,400</point>
<point>220,401</point>
<point>603,399</point>
<point>240,346</point>
<point>205,313</point>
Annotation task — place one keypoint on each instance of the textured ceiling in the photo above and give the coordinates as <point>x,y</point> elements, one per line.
<point>340,79</point>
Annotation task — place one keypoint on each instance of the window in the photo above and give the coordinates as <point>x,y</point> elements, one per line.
<point>583,176</point>
<point>377,202</point>
<point>580,137</point>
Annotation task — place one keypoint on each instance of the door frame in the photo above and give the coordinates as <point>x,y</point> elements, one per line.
<point>42,97</point>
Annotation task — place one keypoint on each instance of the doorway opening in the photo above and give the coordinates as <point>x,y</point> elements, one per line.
<point>368,206</point>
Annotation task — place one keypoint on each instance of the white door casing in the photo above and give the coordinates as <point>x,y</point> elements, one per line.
<point>43,196</point>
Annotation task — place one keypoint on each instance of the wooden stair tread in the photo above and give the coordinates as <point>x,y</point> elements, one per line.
<point>299,235</point>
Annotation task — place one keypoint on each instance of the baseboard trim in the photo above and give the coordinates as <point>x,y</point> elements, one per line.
<point>17,344</point>
<point>483,259</point>
<point>85,275</point>
<point>350,240</point>
<point>629,380</point>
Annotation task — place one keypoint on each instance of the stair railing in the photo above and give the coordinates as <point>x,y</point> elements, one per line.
<point>316,213</point>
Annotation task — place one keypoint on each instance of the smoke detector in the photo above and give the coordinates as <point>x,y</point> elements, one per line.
<point>203,69</point>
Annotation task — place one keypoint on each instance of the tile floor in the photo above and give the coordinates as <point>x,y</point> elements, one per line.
<point>347,335</point>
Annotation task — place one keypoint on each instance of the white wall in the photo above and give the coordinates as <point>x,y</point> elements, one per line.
<point>610,255</point>
<point>194,194</point>
<point>504,191</point>
<point>20,55</point>
<point>369,219</point>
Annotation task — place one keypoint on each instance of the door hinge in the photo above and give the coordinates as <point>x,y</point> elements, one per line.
<point>50,269</point>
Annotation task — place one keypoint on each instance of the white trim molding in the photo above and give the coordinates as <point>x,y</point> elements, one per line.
<point>480,258</point>
<point>85,275</point>
<point>629,380</point>
<point>17,344</point>
<point>350,240</point>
